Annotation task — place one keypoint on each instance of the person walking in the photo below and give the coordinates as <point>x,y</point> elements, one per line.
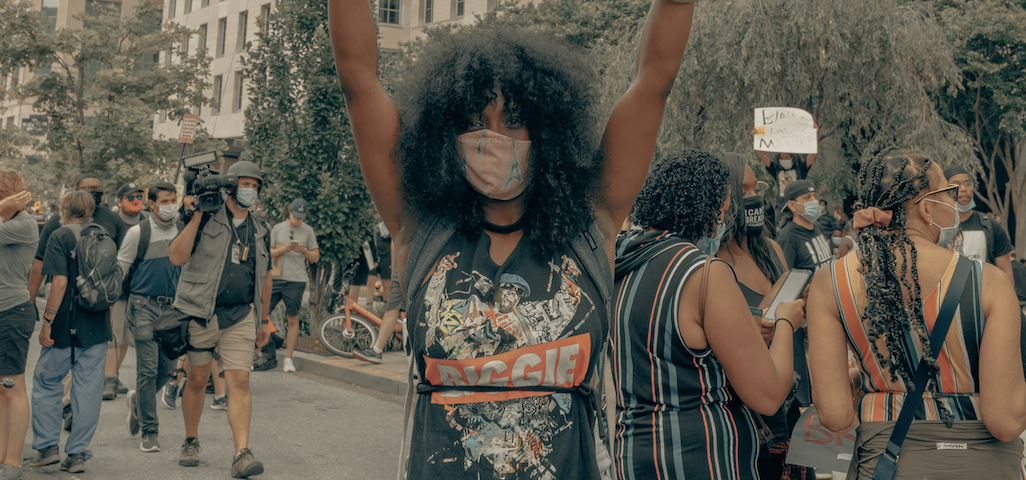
<point>885,303</point>
<point>74,339</point>
<point>152,281</point>
<point>129,202</point>
<point>980,236</point>
<point>294,244</point>
<point>18,240</point>
<point>225,286</point>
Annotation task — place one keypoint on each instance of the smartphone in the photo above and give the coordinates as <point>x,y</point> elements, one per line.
<point>794,284</point>
<point>755,311</point>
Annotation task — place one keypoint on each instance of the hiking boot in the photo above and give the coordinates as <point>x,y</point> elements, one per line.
<point>169,396</point>
<point>121,388</point>
<point>48,456</point>
<point>74,463</point>
<point>67,417</point>
<point>220,402</point>
<point>190,453</point>
<point>133,417</point>
<point>149,443</point>
<point>289,366</point>
<point>9,472</point>
<point>110,387</point>
<point>244,465</point>
<point>269,364</point>
<point>368,355</point>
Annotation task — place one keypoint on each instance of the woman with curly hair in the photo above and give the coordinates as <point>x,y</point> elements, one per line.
<point>882,301</point>
<point>688,359</point>
<point>489,169</point>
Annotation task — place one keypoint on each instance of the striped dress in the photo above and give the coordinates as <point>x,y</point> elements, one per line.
<point>959,361</point>
<point>676,414</point>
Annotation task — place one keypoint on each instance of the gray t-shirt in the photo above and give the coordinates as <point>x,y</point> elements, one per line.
<point>131,221</point>
<point>293,264</point>
<point>19,238</point>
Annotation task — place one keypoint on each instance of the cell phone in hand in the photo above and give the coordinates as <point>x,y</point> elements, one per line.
<point>794,284</point>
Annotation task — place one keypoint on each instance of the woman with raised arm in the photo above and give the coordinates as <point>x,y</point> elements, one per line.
<point>506,209</point>
<point>689,361</point>
<point>884,300</point>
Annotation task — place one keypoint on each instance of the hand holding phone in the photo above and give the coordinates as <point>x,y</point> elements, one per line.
<point>792,287</point>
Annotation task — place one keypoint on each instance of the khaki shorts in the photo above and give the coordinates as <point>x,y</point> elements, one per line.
<point>119,327</point>
<point>234,345</point>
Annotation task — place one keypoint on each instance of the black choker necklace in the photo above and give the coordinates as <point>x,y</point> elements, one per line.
<point>505,229</point>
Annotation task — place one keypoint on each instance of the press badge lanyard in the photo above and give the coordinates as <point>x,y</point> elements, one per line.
<point>239,252</point>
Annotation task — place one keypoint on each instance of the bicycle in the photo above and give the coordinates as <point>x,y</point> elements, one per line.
<point>351,325</point>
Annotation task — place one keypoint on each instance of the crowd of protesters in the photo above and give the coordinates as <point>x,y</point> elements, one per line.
<point>527,246</point>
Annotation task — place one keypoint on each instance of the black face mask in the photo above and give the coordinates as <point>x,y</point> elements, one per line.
<point>754,214</point>
<point>97,197</point>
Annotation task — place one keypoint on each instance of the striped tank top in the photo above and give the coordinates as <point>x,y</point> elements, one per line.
<point>957,383</point>
<point>676,414</point>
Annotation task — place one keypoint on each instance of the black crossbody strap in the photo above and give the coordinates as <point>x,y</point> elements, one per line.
<point>888,463</point>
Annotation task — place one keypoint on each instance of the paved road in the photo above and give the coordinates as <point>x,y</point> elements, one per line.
<point>304,427</point>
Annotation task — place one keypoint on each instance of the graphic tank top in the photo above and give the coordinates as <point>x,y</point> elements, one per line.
<point>530,322</point>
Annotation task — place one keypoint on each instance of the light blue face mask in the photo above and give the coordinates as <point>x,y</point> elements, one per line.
<point>967,207</point>
<point>946,233</point>
<point>245,197</point>
<point>711,245</point>
<point>812,211</point>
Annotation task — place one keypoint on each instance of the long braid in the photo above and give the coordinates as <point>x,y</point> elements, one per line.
<point>888,181</point>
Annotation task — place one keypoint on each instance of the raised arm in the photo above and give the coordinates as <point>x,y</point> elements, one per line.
<point>630,136</point>
<point>372,114</point>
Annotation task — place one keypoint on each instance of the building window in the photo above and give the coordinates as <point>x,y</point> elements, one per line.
<point>10,122</point>
<point>239,92</point>
<point>50,12</point>
<point>163,116</point>
<point>222,27</point>
<point>185,46</point>
<point>35,125</point>
<point>204,3</point>
<point>215,106</point>
<point>429,11</point>
<point>188,6</point>
<point>240,44</point>
<point>388,12</point>
<point>265,13</point>
<point>202,45</point>
<point>172,8</point>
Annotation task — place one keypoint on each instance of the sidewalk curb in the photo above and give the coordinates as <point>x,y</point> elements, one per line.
<point>351,371</point>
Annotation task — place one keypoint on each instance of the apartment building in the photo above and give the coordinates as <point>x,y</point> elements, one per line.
<point>59,14</point>
<point>226,25</point>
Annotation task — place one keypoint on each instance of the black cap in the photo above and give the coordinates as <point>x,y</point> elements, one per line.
<point>128,188</point>
<point>954,170</point>
<point>797,188</point>
<point>299,208</point>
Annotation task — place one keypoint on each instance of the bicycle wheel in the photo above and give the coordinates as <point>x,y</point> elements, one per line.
<point>331,334</point>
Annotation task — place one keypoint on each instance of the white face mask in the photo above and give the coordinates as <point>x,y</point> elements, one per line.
<point>167,213</point>
<point>786,164</point>
<point>246,197</point>
<point>946,233</point>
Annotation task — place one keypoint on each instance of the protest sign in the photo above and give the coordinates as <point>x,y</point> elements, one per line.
<point>786,130</point>
<point>813,445</point>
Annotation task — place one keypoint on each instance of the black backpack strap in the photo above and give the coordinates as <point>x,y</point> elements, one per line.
<point>987,222</point>
<point>144,242</point>
<point>888,463</point>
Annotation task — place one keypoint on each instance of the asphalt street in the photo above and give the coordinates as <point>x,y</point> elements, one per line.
<point>303,427</point>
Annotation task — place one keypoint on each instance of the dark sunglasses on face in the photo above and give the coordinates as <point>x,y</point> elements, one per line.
<point>950,190</point>
<point>132,198</point>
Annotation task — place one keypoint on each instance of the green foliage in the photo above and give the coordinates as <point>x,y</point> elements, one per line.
<point>103,87</point>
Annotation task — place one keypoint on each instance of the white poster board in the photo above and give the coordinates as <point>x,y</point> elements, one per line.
<point>785,130</point>
<point>813,445</point>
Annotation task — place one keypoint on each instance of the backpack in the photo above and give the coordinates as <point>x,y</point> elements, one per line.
<point>100,279</point>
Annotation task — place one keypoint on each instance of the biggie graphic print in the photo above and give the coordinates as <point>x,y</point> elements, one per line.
<point>512,331</point>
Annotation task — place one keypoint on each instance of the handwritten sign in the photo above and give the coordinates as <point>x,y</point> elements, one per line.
<point>188,133</point>
<point>786,130</point>
<point>813,445</point>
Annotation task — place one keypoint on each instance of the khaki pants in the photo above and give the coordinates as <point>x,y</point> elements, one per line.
<point>234,345</point>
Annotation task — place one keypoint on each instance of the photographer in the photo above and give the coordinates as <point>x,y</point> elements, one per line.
<point>224,271</point>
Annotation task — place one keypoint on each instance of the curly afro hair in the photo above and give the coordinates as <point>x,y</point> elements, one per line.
<point>683,194</point>
<point>547,82</point>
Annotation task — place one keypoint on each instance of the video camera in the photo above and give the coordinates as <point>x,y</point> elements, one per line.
<point>203,184</point>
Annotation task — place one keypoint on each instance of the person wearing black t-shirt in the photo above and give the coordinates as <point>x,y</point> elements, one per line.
<point>74,340</point>
<point>980,236</point>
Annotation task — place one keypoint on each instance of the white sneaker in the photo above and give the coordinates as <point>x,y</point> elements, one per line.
<point>289,366</point>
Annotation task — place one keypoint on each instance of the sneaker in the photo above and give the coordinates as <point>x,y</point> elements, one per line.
<point>133,417</point>
<point>110,388</point>
<point>74,463</point>
<point>67,417</point>
<point>190,453</point>
<point>48,456</point>
<point>149,443</point>
<point>244,465</point>
<point>121,388</point>
<point>9,472</point>
<point>270,364</point>
<point>169,396</point>
<point>220,402</point>
<point>289,366</point>
<point>368,355</point>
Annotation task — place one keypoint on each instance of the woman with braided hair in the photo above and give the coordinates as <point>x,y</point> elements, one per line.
<point>882,301</point>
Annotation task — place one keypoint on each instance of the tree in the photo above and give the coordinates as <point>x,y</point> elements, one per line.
<point>299,133</point>
<point>100,84</point>
<point>989,39</point>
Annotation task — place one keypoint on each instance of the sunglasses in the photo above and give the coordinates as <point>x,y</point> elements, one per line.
<point>950,190</point>
<point>132,198</point>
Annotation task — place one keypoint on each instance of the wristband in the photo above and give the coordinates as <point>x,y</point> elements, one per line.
<point>48,320</point>
<point>781,319</point>
<point>265,321</point>
<point>51,311</point>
